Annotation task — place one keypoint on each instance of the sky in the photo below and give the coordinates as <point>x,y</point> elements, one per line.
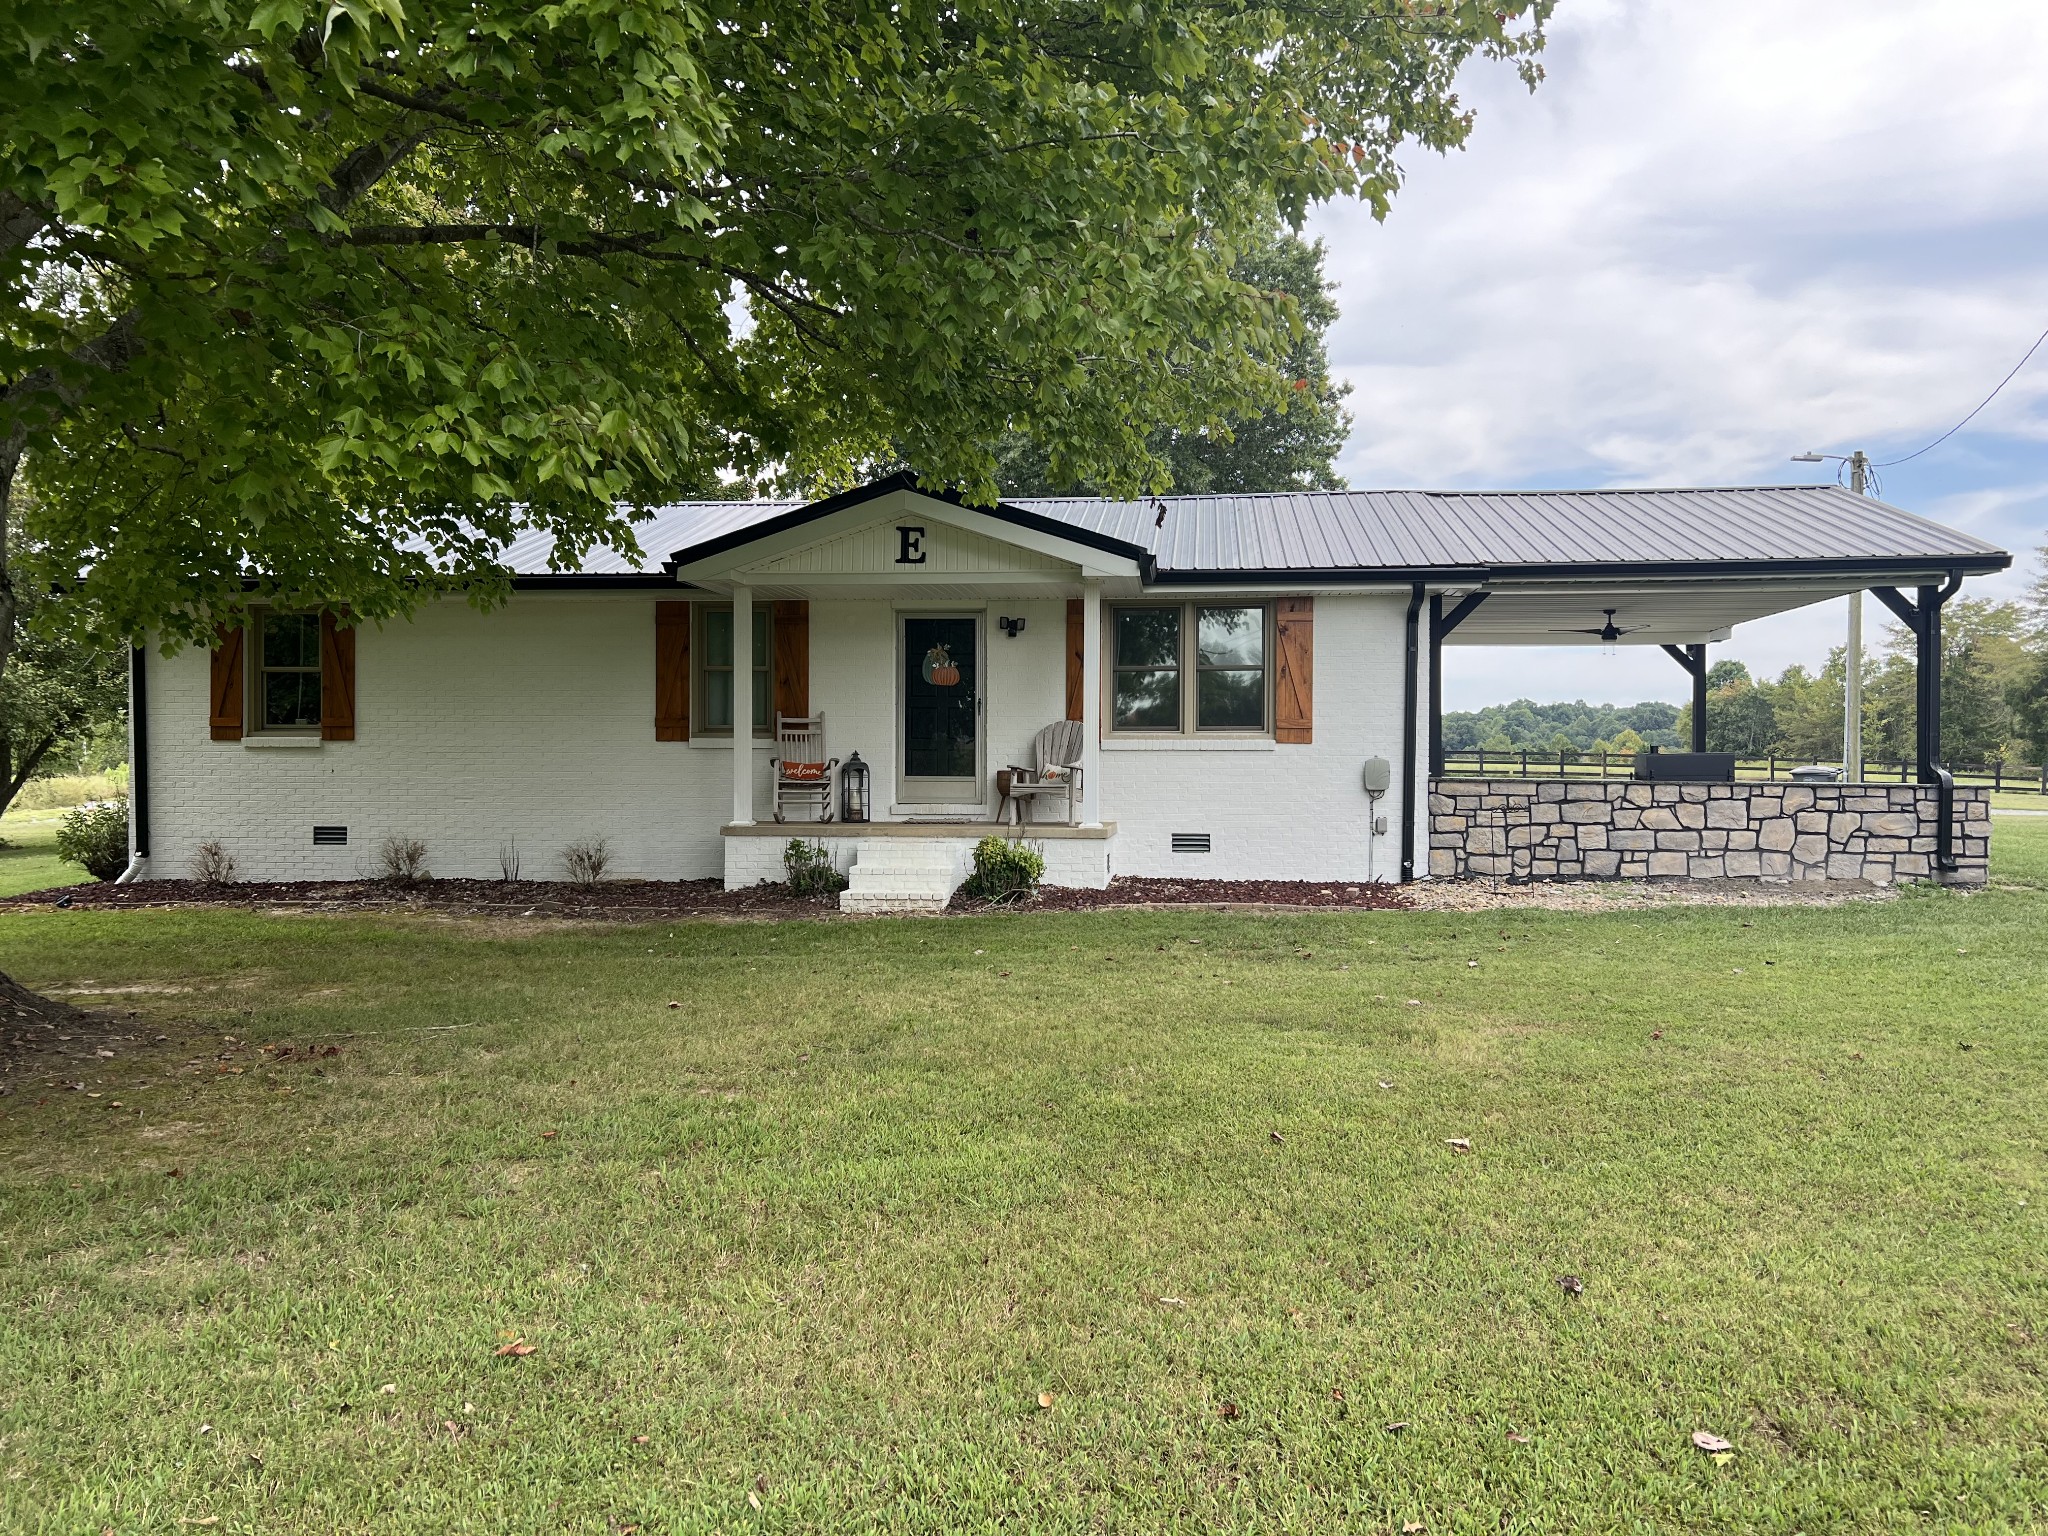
<point>1718,234</point>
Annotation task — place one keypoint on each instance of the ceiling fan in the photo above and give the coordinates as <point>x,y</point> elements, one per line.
<point>1607,633</point>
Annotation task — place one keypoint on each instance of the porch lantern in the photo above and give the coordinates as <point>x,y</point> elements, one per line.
<point>853,789</point>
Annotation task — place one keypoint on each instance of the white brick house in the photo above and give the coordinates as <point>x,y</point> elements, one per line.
<point>1234,663</point>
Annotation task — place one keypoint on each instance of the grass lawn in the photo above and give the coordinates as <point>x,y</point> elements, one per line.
<point>28,859</point>
<point>1043,1224</point>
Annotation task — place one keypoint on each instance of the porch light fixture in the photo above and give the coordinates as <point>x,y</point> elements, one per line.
<point>1011,627</point>
<point>853,789</point>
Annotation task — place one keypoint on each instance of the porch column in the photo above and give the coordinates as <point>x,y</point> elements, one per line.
<point>1091,704</point>
<point>742,706</point>
<point>1698,653</point>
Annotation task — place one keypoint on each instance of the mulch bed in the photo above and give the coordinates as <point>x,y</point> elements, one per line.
<point>644,900</point>
<point>1129,891</point>
<point>624,900</point>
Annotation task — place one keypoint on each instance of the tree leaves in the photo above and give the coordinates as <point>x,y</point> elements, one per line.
<point>348,295</point>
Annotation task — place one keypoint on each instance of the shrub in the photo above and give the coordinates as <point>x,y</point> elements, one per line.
<point>213,865</point>
<point>1004,871</point>
<point>508,860</point>
<point>811,870</point>
<point>97,837</point>
<point>402,860</point>
<point>587,862</point>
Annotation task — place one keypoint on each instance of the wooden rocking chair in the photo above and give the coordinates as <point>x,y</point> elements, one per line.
<point>803,774</point>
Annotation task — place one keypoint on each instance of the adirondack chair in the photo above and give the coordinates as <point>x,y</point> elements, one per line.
<point>1055,771</point>
<point>803,774</point>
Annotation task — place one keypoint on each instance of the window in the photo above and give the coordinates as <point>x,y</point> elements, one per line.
<point>1189,667</point>
<point>287,671</point>
<point>714,672</point>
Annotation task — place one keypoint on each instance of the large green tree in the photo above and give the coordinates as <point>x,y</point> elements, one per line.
<point>1288,446</point>
<point>344,294</point>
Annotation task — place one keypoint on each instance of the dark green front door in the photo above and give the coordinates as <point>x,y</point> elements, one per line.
<point>942,710</point>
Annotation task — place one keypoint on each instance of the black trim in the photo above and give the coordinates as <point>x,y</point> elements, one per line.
<point>1408,737</point>
<point>138,750</point>
<point>573,581</point>
<point>905,480</point>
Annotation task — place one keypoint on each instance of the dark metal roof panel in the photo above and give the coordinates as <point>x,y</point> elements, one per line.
<point>1362,531</point>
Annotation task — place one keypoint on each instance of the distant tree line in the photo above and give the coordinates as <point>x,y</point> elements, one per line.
<point>1994,687</point>
<point>1526,726</point>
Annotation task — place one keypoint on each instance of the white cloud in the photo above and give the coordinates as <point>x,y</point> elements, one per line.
<point>1716,235</point>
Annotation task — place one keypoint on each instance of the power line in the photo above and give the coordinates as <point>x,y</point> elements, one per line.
<point>1952,431</point>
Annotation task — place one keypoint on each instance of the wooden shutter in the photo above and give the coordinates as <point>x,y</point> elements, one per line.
<point>337,678</point>
<point>790,638</point>
<point>228,689</point>
<point>1076,643</point>
<point>671,671</point>
<point>1294,671</point>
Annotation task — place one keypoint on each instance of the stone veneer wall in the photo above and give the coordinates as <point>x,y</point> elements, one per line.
<point>1537,829</point>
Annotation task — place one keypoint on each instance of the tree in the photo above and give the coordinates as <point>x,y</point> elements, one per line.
<point>1291,446</point>
<point>321,302</point>
<point>58,687</point>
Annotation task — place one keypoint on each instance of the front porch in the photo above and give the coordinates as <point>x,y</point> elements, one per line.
<point>1074,855</point>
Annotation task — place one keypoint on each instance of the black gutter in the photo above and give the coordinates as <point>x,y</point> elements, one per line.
<point>138,750</point>
<point>572,581</point>
<point>1466,575</point>
<point>1408,738</point>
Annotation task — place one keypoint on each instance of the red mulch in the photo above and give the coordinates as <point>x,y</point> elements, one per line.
<point>1127,891</point>
<point>644,900</point>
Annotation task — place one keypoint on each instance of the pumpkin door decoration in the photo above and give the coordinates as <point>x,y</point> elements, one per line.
<point>940,669</point>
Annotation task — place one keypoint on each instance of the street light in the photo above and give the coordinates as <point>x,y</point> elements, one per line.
<point>1852,701</point>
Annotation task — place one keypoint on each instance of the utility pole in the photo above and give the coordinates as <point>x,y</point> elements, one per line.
<point>1852,692</point>
<point>1852,700</point>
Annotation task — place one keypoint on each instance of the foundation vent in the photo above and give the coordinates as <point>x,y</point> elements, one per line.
<point>329,836</point>
<point>1190,842</point>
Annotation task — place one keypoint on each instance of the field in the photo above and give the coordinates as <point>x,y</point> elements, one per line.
<point>1113,1222</point>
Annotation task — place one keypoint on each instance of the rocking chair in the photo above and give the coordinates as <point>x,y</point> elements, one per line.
<point>803,774</point>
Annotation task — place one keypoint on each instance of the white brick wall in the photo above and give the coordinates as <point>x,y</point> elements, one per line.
<point>535,723</point>
<point>1283,812</point>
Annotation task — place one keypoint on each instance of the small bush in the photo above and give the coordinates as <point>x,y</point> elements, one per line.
<point>1004,871</point>
<point>587,862</point>
<point>508,860</point>
<point>811,870</point>
<point>97,837</point>
<point>402,860</point>
<point>213,865</point>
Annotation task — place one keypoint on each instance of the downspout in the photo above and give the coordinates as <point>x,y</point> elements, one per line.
<point>1408,734</point>
<point>138,765</point>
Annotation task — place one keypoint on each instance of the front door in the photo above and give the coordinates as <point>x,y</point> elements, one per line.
<point>941,704</point>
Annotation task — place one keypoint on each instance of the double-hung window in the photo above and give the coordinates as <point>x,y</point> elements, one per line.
<point>1190,668</point>
<point>714,671</point>
<point>286,672</point>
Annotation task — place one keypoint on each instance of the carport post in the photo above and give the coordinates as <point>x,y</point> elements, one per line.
<point>1698,653</point>
<point>1694,659</point>
<point>1441,624</point>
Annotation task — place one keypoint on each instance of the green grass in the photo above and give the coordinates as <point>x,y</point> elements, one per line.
<point>825,1232</point>
<point>28,859</point>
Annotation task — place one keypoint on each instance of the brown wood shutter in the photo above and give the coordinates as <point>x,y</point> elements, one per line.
<point>337,678</point>
<point>671,671</point>
<point>1294,675</point>
<point>226,720</point>
<point>1076,642</point>
<point>791,642</point>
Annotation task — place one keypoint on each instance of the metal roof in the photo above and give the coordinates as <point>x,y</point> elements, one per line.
<point>1404,534</point>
